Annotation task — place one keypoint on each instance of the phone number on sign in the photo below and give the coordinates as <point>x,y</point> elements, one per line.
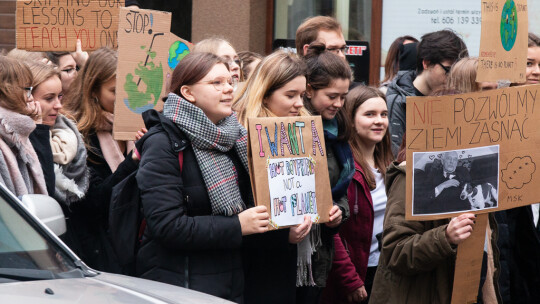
<point>457,20</point>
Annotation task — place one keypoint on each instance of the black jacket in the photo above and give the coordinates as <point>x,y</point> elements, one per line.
<point>401,87</point>
<point>88,218</point>
<point>183,243</point>
<point>41,141</point>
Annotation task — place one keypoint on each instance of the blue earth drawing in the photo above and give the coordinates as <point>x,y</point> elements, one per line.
<point>177,52</point>
<point>509,25</point>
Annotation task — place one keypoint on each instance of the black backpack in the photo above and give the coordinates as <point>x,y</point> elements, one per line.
<point>126,220</point>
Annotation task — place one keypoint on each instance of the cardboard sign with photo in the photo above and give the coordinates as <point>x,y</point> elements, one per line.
<point>289,170</point>
<point>459,124</point>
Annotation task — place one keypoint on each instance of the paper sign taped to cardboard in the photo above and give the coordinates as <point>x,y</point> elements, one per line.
<point>147,55</point>
<point>56,25</point>
<point>288,169</point>
<point>503,42</point>
<point>475,152</point>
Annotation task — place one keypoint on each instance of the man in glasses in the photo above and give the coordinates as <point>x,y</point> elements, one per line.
<point>321,28</point>
<point>437,51</point>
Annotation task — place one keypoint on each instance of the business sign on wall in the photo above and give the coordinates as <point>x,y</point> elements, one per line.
<point>419,17</point>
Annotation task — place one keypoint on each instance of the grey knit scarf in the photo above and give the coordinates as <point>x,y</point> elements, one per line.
<point>210,143</point>
<point>72,179</point>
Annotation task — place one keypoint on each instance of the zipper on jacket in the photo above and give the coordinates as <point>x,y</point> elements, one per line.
<point>186,273</point>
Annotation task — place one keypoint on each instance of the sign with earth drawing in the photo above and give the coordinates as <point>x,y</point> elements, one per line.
<point>503,42</point>
<point>147,55</point>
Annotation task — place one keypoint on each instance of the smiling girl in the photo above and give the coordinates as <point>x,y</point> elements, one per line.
<point>357,252</point>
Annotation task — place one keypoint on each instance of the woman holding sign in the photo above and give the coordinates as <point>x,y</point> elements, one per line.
<point>275,89</point>
<point>328,80</point>
<point>90,101</point>
<point>194,184</point>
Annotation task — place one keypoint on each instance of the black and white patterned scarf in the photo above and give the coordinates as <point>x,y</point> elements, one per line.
<point>210,143</point>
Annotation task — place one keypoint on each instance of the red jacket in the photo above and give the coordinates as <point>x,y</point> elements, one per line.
<point>352,244</point>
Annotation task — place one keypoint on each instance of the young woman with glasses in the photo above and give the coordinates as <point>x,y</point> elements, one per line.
<point>223,49</point>
<point>20,170</point>
<point>195,186</point>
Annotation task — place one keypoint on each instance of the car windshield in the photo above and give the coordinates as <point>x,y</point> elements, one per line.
<point>25,252</point>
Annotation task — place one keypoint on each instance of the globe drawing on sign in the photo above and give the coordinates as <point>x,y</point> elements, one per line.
<point>177,52</point>
<point>509,25</point>
<point>144,88</point>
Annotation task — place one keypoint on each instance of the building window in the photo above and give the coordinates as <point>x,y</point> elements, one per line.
<point>353,15</point>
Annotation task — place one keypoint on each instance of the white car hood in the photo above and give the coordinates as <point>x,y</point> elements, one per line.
<point>104,288</point>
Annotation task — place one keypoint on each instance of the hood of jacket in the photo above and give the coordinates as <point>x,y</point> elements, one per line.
<point>394,170</point>
<point>403,83</point>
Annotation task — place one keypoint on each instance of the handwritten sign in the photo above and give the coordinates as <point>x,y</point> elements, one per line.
<point>487,140</point>
<point>288,169</point>
<point>503,44</point>
<point>56,25</point>
<point>147,55</point>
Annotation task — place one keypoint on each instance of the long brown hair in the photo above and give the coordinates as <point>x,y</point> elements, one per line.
<point>383,149</point>
<point>81,102</point>
<point>14,77</point>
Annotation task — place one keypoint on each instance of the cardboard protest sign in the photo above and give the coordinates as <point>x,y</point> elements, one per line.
<point>473,152</point>
<point>56,25</point>
<point>147,55</point>
<point>288,169</point>
<point>503,44</point>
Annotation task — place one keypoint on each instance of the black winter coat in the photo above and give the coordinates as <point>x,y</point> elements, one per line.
<point>88,218</point>
<point>41,141</point>
<point>183,243</point>
<point>401,87</point>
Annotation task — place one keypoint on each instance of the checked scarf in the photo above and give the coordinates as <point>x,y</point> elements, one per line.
<point>210,143</point>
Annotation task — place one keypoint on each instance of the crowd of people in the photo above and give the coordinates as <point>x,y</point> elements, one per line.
<point>202,229</point>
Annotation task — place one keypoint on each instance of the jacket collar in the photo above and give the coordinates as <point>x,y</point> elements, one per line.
<point>177,138</point>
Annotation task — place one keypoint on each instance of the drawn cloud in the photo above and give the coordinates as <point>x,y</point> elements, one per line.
<point>518,172</point>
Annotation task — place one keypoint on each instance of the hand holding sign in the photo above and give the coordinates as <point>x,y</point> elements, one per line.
<point>335,217</point>
<point>254,220</point>
<point>460,228</point>
<point>299,233</point>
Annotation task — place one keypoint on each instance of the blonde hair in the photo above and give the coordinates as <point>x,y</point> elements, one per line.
<point>25,56</point>
<point>14,77</point>
<point>462,76</point>
<point>209,45</point>
<point>81,102</point>
<point>42,72</point>
<point>272,73</point>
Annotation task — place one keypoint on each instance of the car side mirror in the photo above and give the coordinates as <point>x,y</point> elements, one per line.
<point>47,210</point>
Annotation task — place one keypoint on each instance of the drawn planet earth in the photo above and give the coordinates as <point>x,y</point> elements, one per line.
<point>177,52</point>
<point>142,98</point>
<point>509,25</point>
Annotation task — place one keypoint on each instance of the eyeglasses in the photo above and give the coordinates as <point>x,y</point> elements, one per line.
<point>28,91</point>
<point>344,50</point>
<point>230,61</point>
<point>445,68</point>
<point>220,83</point>
<point>70,70</point>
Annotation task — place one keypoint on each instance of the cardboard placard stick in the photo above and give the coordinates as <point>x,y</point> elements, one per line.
<point>469,263</point>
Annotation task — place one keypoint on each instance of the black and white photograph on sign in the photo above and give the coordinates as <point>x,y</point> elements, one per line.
<point>455,180</point>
